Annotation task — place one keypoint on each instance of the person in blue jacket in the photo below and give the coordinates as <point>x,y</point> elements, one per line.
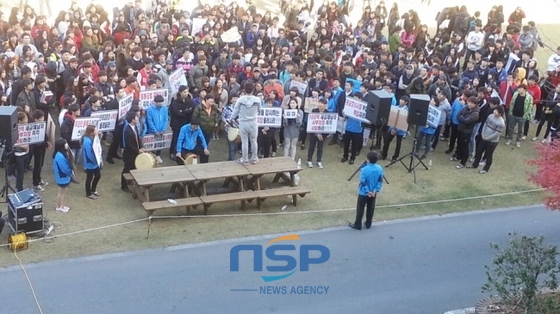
<point>457,106</point>
<point>371,182</point>
<point>191,140</point>
<point>157,120</point>
<point>62,172</point>
<point>392,132</point>
<point>352,136</point>
<point>92,166</point>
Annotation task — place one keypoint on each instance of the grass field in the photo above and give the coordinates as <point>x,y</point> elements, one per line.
<point>329,186</point>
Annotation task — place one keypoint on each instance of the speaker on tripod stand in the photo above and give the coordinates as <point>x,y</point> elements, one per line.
<point>417,117</point>
<point>379,106</point>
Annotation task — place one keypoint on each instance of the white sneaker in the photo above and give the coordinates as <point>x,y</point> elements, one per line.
<point>482,163</point>
<point>273,154</point>
<point>159,160</point>
<point>320,165</point>
<point>39,188</point>
<point>508,142</point>
<point>309,164</point>
<point>534,138</point>
<point>43,183</point>
<point>63,209</point>
<point>517,144</point>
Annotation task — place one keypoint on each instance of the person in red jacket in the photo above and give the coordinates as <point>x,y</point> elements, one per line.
<point>534,90</point>
<point>507,88</point>
<point>39,27</point>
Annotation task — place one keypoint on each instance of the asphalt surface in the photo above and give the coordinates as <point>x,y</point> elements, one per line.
<point>425,265</point>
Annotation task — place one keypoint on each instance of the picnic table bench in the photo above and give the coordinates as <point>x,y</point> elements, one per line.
<point>145,179</point>
<point>189,202</point>
<point>282,167</point>
<point>294,191</point>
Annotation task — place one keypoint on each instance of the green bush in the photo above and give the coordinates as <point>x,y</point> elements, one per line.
<point>521,270</point>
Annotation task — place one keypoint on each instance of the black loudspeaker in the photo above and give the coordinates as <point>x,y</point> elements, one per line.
<point>9,131</point>
<point>418,109</point>
<point>379,106</point>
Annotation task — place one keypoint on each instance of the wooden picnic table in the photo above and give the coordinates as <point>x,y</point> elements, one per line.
<point>145,179</point>
<point>276,165</point>
<point>232,172</point>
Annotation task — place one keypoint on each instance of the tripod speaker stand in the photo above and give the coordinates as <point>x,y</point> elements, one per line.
<point>415,161</point>
<point>417,115</point>
<point>5,154</point>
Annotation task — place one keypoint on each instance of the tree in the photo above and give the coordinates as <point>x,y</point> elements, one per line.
<point>548,173</point>
<point>525,267</point>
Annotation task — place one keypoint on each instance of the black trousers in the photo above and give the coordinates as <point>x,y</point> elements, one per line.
<point>128,161</point>
<point>526,128</point>
<point>487,148</point>
<point>173,148</point>
<point>435,138</point>
<point>453,137</point>
<point>198,150</point>
<point>20,170</point>
<point>538,112</point>
<point>315,143</point>
<point>354,139</point>
<point>265,142</point>
<point>92,178</point>
<point>446,130</point>
<point>463,142</point>
<point>548,118</point>
<point>116,143</point>
<point>38,160</point>
<point>281,135</point>
<point>367,203</point>
<point>303,133</point>
<point>387,142</point>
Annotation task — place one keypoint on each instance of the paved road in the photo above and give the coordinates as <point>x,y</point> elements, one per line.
<point>426,265</point>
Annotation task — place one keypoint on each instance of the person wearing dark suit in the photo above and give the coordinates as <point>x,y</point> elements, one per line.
<point>371,182</point>
<point>132,146</point>
<point>347,92</point>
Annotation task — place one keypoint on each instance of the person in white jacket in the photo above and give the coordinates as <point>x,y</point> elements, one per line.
<point>475,42</point>
<point>247,109</point>
<point>554,61</point>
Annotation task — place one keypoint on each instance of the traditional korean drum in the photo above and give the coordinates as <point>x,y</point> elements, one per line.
<point>233,135</point>
<point>145,161</point>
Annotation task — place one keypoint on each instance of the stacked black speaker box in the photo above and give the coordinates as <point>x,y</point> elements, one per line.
<point>9,132</point>
<point>418,109</point>
<point>379,106</point>
<point>25,212</point>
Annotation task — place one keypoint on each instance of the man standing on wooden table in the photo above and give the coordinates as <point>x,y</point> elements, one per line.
<point>247,109</point>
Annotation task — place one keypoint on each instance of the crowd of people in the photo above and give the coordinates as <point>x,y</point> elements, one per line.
<point>480,73</point>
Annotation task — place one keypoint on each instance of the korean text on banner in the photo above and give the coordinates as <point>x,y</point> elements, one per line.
<point>80,125</point>
<point>324,123</point>
<point>367,132</point>
<point>433,116</point>
<point>270,117</point>
<point>310,104</point>
<point>107,119</point>
<point>176,80</point>
<point>98,150</point>
<point>31,133</point>
<point>147,97</point>
<point>301,87</point>
<point>124,105</point>
<point>341,125</point>
<point>355,109</point>
<point>231,35</point>
<point>290,113</point>
<point>157,142</point>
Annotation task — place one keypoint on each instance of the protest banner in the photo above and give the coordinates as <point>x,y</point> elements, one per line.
<point>153,142</point>
<point>176,80</point>
<point>124,105</point>
<point>31,133</point>
<point>80,125</point>
<point>310,104</point>
<point>433,116</point>
<point>367,132</point>
<point>290,113</point>
<point>398,118</point>
<point>98,150</point>
<point>107,119</point>
<point>322,123</point>
<point>270,117</point>
<point>231,35</point>
<point>301,86</point>
<point>357,84</point>
<point>341,125</point>
<point>355,109</point>
<point>147,97</point>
